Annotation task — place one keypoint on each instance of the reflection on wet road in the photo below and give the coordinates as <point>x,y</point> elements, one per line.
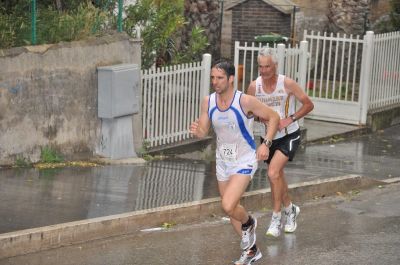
<point>32,198</point>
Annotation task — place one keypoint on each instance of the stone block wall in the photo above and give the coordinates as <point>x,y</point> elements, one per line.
<point>48,96</point>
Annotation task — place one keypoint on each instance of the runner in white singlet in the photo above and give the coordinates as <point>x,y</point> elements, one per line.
<point>280,93</point>
<point>236,149</point>
<point>231,114</point>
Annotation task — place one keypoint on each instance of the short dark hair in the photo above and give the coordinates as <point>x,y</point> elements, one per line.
<point>227,66</point>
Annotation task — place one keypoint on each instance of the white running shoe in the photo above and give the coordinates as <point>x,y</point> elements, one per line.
<point>249,236</point>
<point>248,257</point>
<point>291,217</point>
<point>274,227</point>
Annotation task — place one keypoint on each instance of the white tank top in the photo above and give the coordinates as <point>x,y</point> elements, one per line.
<point>234,130</point>
<point>280,101</point>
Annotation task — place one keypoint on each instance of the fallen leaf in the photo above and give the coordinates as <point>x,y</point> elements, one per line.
<point>167,225</point>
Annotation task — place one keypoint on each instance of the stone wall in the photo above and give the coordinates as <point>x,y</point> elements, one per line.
<point>349,17</point>
<point>48,96</point>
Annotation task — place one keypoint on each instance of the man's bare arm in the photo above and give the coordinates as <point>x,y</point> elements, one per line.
<point>201,126</point>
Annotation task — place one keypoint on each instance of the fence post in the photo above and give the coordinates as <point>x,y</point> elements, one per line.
<point>33,22</point>
<point>120,5</point>
<point>281,58</point>
<point>236,64</point>
<point>366,74</point>
<point>205,76</point>
<point>302,72</point>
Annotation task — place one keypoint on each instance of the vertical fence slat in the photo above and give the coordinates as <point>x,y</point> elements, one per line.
<point>187,96</point>
<point>252,62</point>
<point>145,105</point>
<point>335,69</point>
<point>153,108</point>
<point>180,81</point>
<point>329,66</point>
<point>158,110</point>
<point>392,56</point>
<point>169,102</point>
<point>174,103</point>
<point>162,106</point>
<point>309,84</point>
<point>396,81</point>
<point>382,73</point>
<point>316,66</point>
<point>322,65</point>
<point>343,43</point>
<point>348,69</point>
<point>354,87</point>
<point>244,67</point>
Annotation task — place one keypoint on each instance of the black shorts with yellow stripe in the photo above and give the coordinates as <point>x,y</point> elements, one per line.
<point>287,144</point>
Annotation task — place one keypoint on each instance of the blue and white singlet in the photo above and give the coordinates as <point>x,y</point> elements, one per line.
<point>234,130</point>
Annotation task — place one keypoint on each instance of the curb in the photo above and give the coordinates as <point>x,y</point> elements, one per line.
<point>48,237</point>
<point>331,138</point>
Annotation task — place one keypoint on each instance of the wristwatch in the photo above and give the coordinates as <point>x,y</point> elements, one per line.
<point>267,142</point>
<point>293,118</point>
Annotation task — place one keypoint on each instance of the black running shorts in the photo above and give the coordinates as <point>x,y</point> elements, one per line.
<point>287,145</point>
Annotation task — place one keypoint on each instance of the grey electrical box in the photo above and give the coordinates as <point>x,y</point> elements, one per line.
<point>118,90</point>
<point>117,138</point>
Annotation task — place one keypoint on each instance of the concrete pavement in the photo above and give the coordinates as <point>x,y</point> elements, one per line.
<point>66,233</point>
<point>355,227</point>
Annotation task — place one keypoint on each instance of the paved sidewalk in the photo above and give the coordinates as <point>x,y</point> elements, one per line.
<point>323,130</point>
<point>347,228</point>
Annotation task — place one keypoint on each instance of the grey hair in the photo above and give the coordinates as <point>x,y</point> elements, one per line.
<point>267,51</point>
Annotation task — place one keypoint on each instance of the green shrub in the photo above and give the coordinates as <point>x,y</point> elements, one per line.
<point>49,155</point>
<point>194,50</point>
<point>22,162</point>
<point>159,21</point>
<point>52,25</point>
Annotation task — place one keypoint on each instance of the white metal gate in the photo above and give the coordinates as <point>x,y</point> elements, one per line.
<point>336,80</point>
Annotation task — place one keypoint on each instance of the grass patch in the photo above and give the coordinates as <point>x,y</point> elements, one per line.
<point>22,162</point>
<point>49,155</point>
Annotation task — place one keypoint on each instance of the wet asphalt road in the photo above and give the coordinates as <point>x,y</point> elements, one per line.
<point>34,198</point>
<point>352,228</point>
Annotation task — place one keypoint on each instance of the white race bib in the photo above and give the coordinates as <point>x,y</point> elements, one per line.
<point>228,152</point>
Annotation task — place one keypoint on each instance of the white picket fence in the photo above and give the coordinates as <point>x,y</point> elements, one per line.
<point>347,76</point>
<point>292,62</point>
<point>171,100</point>
<point>385,72</point>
